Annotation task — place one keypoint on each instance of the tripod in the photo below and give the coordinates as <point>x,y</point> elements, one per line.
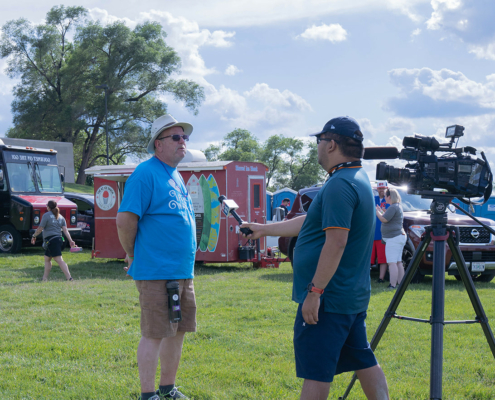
<point>440,232</point>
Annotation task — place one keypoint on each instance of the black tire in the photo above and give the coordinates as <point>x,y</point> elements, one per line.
<point>407,255</point>
<point>292,245</point>
<point>478,278</point>
<point>10,239</point>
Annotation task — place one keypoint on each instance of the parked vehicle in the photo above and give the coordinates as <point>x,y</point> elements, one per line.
<point>29,177</point>
<point>477,244</point>
<point>85,217</point>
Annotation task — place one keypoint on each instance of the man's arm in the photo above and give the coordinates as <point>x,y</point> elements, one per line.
<point>288,228</point>
<point>127,223</point>
<point>331,253</point>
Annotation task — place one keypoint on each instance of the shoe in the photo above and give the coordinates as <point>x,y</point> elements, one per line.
<point>155,397</point>
<point>391,287</point>
<point>173,394</point>
<point>380,281</point>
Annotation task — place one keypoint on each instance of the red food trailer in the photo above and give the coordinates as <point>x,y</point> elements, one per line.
<point>218,237</point>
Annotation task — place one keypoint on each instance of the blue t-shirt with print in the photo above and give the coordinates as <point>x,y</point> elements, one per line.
<point>344,202</point>
<point>384,205</point>
<point>165,246</point>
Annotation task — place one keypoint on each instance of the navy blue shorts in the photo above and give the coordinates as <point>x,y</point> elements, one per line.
<point>336,344</point>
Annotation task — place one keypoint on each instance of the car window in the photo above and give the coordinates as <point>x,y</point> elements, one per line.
<point>307,199</point>
<point>82,206</point>
<point>413,202</point>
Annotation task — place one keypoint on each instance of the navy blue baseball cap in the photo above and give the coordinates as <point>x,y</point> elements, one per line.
<point>345,126</point>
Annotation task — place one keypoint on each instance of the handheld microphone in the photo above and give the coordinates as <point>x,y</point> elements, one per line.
<point>229,206</point>
<point>380,153</point>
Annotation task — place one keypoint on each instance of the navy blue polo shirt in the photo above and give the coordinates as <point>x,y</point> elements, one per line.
<point>344,202</point>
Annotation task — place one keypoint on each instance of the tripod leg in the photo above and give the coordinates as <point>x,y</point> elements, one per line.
<point>411,271</point>
<point>471,291</point>
<point>437,318</point>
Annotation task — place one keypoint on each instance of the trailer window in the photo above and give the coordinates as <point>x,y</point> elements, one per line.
<point>256,193</point>
<point>20,177</point>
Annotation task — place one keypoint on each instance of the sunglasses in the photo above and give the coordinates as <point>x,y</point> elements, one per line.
<point>319,139</point>
<point>176,138</point>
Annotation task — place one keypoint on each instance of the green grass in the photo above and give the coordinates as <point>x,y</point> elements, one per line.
<point>75,188</point>
<point>78,340</point>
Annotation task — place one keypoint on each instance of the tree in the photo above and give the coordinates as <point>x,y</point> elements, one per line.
<point>272,154</point>
<point>240,145</point>
<point>57,98</point>
<point>291,162</point>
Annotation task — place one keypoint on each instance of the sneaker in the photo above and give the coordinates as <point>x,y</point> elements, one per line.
<point>380,281</point>
<point>155,397</point>
<point>391,287</point>
<point>173,394</point>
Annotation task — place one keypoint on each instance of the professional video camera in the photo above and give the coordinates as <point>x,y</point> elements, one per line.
<point>457,172</point>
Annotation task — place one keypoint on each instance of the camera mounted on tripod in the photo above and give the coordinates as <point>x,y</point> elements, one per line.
<point>460,174</point>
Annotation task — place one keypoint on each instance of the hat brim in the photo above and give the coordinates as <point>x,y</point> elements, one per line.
<point>188,128</point>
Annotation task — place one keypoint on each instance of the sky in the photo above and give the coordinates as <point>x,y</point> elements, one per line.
<point>400,67</point>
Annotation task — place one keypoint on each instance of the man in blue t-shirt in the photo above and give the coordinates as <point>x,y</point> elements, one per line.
<point>157,230</point>
<point>331,268</point>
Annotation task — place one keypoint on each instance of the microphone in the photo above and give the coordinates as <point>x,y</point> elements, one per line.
<point>380,153</point>
<point>229,206</point>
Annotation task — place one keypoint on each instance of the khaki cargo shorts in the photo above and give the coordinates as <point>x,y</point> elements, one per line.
<point>153,299</point>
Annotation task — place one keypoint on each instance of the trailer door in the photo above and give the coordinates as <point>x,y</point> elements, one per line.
<point>257,202</point>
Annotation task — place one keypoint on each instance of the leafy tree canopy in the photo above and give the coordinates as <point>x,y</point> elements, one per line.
<point>57,98</point>
<point>292,162</point>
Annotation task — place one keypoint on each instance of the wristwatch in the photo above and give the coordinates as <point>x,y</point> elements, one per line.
<point>312,288</point>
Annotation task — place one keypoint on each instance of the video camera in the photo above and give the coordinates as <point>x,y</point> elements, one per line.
<point>457,172</point>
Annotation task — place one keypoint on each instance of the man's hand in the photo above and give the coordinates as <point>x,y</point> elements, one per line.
<point>258,230</point>
<point>310,308</point>
<point>33,240</point>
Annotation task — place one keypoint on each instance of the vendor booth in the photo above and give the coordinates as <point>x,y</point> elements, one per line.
<point>218,237</point>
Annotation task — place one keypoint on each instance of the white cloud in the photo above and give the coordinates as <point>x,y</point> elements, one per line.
<point>334,33</point>
<point>274,97</point>
<point>440,7</point>
<point>416,32</point>
<point>405,7</point>
<point>232,70</point>
<point>487,52</point>
<point>428,93</point>
<point>469,21</point>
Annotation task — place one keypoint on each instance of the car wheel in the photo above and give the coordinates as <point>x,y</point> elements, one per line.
<point>292,245</point>
<point>407,255</point>
<point>10,239</point>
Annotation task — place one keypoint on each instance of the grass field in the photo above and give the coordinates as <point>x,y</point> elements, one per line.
<point>75,188</point>
<point>77,340</point>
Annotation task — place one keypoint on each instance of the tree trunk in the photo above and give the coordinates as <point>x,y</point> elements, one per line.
<point>87,151</point>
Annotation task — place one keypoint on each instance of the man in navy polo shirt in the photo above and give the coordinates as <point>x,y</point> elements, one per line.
<point>331,269</point>
<point>157,230</point>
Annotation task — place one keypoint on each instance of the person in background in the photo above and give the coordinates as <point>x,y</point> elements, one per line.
<point>52,224</point>
<point>378,252</point>
<point>285,205</point>
<point>157,229</point>
<point>394,235</point>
